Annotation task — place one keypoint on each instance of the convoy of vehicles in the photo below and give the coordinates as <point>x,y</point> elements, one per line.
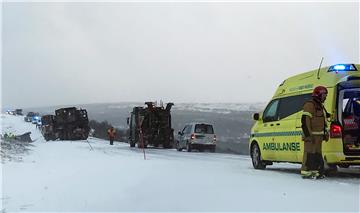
<point>151,125</point>
<point>14,112</point>
<point>277,135</point>
<point>198,136</point>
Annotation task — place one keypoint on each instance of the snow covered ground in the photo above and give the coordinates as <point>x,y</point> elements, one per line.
<point>70,176</point>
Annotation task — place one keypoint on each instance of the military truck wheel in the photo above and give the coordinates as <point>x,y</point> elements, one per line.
<point>53,137</point>
<point>257,162</point>
<point>188,147</point>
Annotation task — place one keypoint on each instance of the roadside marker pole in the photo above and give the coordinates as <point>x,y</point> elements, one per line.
<point>141,138</point>
<point>89,144</point>
<point>142,142</point>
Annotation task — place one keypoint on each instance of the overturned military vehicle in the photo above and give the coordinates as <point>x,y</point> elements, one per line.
<point>151,125</point>
<point>67,124</point>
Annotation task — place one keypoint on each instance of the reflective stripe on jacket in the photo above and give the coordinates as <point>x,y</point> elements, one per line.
<point>112,133</point>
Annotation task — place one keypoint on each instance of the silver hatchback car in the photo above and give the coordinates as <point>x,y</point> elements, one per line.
<point>198,136</point>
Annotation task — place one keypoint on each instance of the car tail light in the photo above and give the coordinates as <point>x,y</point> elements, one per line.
<point>335,131</point>
<point>192,136</point>
<point>214,138</point>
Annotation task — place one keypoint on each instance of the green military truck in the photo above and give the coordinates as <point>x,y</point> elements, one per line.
<point>151,125</point>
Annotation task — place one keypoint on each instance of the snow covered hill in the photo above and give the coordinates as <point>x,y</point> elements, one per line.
<point>75,176</point>
<point>224,108</point>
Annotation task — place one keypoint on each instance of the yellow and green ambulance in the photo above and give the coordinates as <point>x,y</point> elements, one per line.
<point>277,135</point>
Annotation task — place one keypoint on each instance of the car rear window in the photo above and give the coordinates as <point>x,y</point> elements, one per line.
<point>204,129</point>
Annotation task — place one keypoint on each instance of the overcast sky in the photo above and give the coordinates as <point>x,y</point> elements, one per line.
<point>76,53</point>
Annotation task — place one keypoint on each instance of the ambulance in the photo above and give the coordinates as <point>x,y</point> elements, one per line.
<point>277,135</point>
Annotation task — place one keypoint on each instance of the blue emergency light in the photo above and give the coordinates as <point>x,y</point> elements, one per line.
<point>342,68</point>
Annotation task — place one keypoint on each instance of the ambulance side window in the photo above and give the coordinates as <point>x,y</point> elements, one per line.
<point>291,105</point>
<point>270,113</point>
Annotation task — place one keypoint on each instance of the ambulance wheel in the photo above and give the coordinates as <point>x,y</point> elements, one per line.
<point>256,157</point>
<point>330,169</point>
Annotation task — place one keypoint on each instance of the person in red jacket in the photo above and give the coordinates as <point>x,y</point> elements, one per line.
<point>111,133</point>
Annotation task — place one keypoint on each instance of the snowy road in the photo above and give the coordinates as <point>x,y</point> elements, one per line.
<point>70,176</point>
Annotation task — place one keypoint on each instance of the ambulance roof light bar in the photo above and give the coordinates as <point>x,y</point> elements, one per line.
<point>342,68</point>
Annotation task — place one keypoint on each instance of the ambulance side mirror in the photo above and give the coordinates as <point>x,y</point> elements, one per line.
<point>256,116</point>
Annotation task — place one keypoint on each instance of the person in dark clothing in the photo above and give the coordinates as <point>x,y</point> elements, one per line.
<point>111,133</point>
<point>314,130</point>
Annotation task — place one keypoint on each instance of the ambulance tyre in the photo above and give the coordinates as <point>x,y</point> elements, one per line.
<point>330,169</point>
<point>256,157</point>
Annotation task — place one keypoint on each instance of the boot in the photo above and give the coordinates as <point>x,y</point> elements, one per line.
<point>306,174</point>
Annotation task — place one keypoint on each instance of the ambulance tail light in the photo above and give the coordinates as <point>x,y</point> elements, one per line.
<point>335,131</point>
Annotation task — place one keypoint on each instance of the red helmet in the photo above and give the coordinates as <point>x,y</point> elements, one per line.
<point>319,91</point>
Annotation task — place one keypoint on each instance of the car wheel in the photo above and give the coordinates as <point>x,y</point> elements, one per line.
<point>256,157</point>
<point>178,148</point>
<point>188,147</point>
<point>212,149</point>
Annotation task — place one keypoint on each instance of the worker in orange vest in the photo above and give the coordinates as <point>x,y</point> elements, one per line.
<point>111,133</point>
